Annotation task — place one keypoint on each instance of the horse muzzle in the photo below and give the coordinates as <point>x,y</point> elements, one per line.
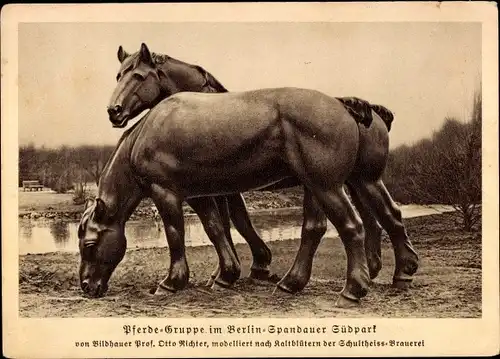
<point>117,117</point>
<point>94,290</point>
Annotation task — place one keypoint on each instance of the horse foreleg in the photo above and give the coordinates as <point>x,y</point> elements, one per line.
<point>313,228</point>
<point>260,251</point>
<point>170,209</point>
<point>206,209</point>
<point>373,232</point>
<point>390,217</point>
<point>341,213</point>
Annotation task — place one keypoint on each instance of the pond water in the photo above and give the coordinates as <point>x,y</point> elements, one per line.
<point>42,236</point>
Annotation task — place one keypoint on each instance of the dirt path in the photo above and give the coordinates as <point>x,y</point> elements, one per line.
<point>448,283</point>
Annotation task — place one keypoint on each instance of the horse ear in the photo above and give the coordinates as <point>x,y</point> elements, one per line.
<point>88,203</point>
<point>145,55</point>
<point>100,209</point>
<point>122,54</point>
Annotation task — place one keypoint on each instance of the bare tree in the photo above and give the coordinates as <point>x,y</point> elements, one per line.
<point>93,159</point>
<point>448,168</point>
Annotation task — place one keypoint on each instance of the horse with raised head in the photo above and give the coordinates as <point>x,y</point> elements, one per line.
<point>145,78</point>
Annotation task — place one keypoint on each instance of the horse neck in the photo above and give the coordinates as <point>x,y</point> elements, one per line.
<point>182,76</point>
<point>118,187</point>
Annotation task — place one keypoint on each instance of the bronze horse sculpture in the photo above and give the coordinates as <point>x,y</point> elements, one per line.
<point>193,145</point>
<point>145,79</point>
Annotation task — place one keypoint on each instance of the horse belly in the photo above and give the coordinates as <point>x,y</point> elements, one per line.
<point>234,182</point>
<point>251,167</point>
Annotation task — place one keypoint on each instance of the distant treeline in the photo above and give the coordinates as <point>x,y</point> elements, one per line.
<point>64,167</point>
<point>445,168</point>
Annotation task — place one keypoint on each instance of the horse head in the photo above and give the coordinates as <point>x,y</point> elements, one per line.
<point>145,78</point>
<point>139,86</point>
<point>102,245</point>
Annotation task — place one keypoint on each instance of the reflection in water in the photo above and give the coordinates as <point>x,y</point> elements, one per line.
<point>26,230</point>
<point>60,232</point>
<point>51,235</point>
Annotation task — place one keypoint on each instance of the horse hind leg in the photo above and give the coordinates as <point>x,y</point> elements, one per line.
<point>341,213</point>
<point>373,232</point>
<point>390,217</point>
<point>313,229</point>
<point>260,251</point>
<point>222,206</point>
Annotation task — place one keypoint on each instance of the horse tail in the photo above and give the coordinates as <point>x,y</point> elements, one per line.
<point>385,114</point>
<point>359,109</point>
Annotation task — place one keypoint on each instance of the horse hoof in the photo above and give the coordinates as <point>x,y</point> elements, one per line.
<point>221,283</point>
<point>287,288</point>
<point>210,282</point>
<point>219,288</point>
<point>163,290</point>
<point>280,292</point>
<point>401,283</point>
<point>274,278</point>
<point>259,274</point>
<point>264,276</point>
<point>344,302</point>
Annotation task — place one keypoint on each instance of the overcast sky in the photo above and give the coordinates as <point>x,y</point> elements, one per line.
<point>423,72</point>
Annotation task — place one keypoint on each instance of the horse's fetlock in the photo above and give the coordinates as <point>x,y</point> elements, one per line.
<point>410,265</point>
<point>231,271</point>
<point>374,266</point>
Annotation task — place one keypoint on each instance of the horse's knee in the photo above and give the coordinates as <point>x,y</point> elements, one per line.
<point>352,231</point>
<point>314,229</point>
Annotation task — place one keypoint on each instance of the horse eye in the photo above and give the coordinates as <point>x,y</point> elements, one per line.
<point>138,76</point>
<point>118,77</point>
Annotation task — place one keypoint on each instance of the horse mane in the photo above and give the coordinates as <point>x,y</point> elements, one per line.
<point>161,59</point>
<point>123,137</point>
<point>385,114</point>
<point>211,80</point>
<point>358,108</point>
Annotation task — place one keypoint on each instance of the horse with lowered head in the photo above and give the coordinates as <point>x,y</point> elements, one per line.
<point>191,146</point>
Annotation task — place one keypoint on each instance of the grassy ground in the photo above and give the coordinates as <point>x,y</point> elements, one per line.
<point>448,283</point>
<point>46,201</point>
